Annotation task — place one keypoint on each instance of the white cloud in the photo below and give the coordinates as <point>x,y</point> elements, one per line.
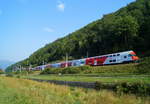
<point>61,6</point>
<point>47,29</point>
<point>1,12</point>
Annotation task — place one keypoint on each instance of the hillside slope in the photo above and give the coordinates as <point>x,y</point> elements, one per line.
<point>125,29</point>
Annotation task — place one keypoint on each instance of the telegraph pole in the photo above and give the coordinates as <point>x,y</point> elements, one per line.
<point>87,54</point>
<point>66,59</point>
<point>43,65</point>
<point>30,67</point>
<point>20,68</point>
<point>43,62</point>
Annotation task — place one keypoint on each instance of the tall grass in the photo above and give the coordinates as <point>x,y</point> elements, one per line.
<point>21,91</point>
<point>144,66</point>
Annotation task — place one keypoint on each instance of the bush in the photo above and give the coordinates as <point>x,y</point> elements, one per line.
<point>51,71</point>
<point>68,70</point>
<point>125,87</point>
<point>134,88</point>
<point>18,76</point>
<point>1,71</point>
<point>144,65</point>
<point>127,68</point>
<point>24,72</point>
<point>9,75</point>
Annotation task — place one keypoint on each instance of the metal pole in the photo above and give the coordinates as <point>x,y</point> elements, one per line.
<point>66,59</point>
<point>87,54</point>
<point>43,65</point>
<point>20,68</point>
<point>30,67</point>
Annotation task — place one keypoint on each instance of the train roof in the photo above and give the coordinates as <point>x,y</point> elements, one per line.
<point>112,54</point>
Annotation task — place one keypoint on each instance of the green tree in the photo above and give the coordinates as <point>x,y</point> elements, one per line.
<point>1,71</point>
<point>126,28</point>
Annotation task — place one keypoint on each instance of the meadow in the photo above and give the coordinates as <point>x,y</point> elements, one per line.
<point>17,89</point>
<point>22,91</point>
<point>134,72</point>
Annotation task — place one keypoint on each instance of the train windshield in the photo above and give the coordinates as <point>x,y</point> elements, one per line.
<point>131,55</point>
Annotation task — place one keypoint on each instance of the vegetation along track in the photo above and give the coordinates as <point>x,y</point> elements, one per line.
<point>134,88</point>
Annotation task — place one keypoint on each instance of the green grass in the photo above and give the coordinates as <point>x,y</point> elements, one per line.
<point>123,68</point>
<point>126,78</point>
<point>22,91</point>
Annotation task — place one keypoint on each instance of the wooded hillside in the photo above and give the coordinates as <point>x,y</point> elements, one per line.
<point>125,29</point>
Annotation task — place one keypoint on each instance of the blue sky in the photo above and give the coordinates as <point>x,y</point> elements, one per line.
<point>27,25</point>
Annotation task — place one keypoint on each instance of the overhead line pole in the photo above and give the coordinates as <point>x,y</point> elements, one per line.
<point>87,54</point>
<point>66,59</point>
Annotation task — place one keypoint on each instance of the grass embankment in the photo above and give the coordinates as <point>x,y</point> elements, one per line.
<point>124,68</point>
<point>133,79</point>
<point>142,68</point>
<point>21,91</point>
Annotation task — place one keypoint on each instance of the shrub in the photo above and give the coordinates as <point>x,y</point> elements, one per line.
<point>127,68</point>
<point>125,87</point>
<point>68,70</point>
<point>1,71</point>
<point>9,75</point>
<point>18,76</point>
<point>144,65</point>
<point>136,88</point>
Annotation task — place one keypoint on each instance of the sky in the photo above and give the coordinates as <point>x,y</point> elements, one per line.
<point>27,25</point>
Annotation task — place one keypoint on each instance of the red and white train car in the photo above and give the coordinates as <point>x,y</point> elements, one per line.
<point>114,58</point>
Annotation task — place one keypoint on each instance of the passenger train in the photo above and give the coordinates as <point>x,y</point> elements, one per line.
<point>108,59</point>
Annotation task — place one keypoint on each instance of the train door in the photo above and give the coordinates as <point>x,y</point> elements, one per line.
<point>95,62</point>
<point>82,62</point>
<point>112,59</point>
<point>124,58</point>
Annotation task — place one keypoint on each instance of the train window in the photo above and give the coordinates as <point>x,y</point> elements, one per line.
<point>110,60</point>
<point>110,56</point>
<point>114,60</point>
<point>82,62</point>
<point>114,55</point>
<point>118,54</point>
<point>125,56</point>
<point>129,55</point>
